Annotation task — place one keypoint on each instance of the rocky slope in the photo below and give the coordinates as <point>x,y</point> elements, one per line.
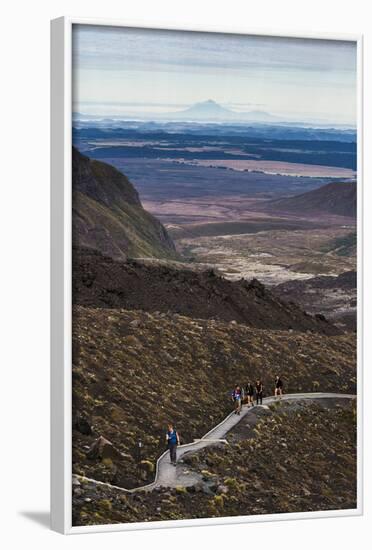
<point>334,198</point>
<point>100,281</point>
<point>295,457</point>
<point>107,213</point>
<point>335,297</point>
<point>134,371</point>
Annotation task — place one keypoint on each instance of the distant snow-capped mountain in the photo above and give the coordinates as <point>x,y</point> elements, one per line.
<point>211,111</point>
<point>206,109</point>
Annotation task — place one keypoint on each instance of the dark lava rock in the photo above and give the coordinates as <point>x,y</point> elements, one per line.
<point>137,285</point>
<point>81,424</point>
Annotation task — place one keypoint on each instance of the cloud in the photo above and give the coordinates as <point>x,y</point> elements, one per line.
<point>110,48</point>
<point>145,68</point>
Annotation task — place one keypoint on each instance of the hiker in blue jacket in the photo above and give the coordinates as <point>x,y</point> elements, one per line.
<point>172,440</point>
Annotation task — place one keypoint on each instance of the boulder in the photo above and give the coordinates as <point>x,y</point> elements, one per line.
<point>206,490</point>
<point>103,448</point>
<point>75,481</point>
<point>213,485</point>
<point>81,424</point>
<point>198,487</point>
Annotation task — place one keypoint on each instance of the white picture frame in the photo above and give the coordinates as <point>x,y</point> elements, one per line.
<point>61,279</point>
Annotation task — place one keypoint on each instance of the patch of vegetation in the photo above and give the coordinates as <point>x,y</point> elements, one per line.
<point>108,215</point>
<point>133,372</point>
<point>302,458</point>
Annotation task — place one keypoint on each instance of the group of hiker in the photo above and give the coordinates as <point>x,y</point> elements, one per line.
<point>239,393</point>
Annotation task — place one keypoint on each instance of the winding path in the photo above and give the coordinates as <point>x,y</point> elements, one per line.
<point>169,476</point>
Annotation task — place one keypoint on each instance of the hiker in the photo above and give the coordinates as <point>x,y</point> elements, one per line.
<point>236,396</point>
<point>249,392</point>
<point>278,386</point>
<point>259,391</point>
<point>172,440</point>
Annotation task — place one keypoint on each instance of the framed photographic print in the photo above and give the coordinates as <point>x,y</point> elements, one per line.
<point>206,276</point>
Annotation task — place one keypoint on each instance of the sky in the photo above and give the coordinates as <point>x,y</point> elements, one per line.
<point>140,72</point>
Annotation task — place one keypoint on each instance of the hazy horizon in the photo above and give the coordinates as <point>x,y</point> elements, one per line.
<point>147,74</point>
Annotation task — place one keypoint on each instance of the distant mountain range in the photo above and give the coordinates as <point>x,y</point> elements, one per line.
<point>107,214</point>
<point>204,111</point>
<point>208,111</point>
<point>334,198</point>
<point>211,111</point>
